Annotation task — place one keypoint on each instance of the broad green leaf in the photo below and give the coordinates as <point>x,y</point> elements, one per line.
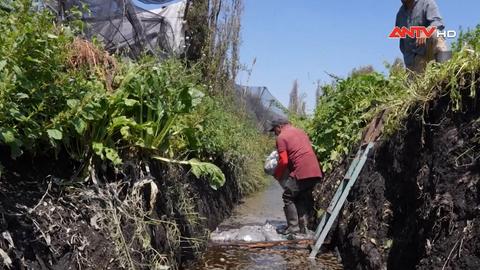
<point>113,156</point>
<point>125,131</point>
<point>3,63</point>
<point>79,125</point>
<point>149,130</point>
<point>52,36</point>
<point>200,169</point>
<point>140,143</point>
<point>334,156</point>
<point>98,149</point>
<point>15,113</point>
<point>21,96</point>
<point>7,136</point>
<point>210,171</point>
<point>106,152</point>
<point>197,96</point>
<point>130,102</point>
<point>33,60</point>
<point>73,103</point>
<point>88,115</point>
<point>123,121</point>
<point>55,134</point>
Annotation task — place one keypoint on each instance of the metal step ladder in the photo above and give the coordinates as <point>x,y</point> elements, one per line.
<point>329,216</point>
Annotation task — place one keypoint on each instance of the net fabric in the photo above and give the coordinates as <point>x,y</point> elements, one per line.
<point>129,29</point>
<point>261,104</point>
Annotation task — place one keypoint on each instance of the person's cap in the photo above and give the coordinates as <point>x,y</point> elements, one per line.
<point>278,122</point>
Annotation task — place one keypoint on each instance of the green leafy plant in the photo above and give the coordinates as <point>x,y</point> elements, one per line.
<point>345,109</point>
<point>223,131</point>
<point>54,93</point>
<point>348,105</point>
<point>201,169</point>
<point>59,92</point>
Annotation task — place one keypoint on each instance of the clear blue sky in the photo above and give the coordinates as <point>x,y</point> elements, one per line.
<point>303,39</point>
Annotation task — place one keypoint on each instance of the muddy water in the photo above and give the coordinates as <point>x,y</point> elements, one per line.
<point>255,221</point>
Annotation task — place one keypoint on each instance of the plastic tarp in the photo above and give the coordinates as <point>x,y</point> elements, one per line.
<point>126,28</point>
<point>270,166</point>
<point>172,27</point>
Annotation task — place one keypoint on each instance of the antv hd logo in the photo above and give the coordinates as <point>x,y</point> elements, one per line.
<point>420,31</point>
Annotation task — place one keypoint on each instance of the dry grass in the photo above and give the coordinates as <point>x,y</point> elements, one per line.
<point>129,225</point>
<point>452,78</point>
<point>85,55</point>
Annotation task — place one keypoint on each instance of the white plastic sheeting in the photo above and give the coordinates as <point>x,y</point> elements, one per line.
<point>271,164</point>
<point>129,29</point>
<point>263,233</point>
<point>173,17</point>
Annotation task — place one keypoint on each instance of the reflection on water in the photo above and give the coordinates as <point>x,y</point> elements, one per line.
<point>255,220</point>
<point>277,258</point>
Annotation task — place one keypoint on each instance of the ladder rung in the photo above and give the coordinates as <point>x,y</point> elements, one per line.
<point>339,198</point>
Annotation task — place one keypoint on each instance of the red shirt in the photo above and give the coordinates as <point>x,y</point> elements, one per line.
<point>302,161</point>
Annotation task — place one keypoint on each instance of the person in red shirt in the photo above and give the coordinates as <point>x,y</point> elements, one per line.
<point>296,154</point>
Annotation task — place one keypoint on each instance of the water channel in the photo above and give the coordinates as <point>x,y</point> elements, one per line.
<point>235,243</point>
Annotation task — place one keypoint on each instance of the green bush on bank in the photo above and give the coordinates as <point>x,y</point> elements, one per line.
<point>231,132</point>
<point>345,109</point>
<point>61,92</point>
<point>348,105</point>
<point>54,92</point>
<point>218,128</point>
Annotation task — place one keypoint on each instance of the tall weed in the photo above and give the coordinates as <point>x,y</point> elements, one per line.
<point>348,105</point>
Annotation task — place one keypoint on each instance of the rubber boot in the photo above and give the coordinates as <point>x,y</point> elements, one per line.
<point>303,223</point>
<point>292,220</point>
<point>302,206</point>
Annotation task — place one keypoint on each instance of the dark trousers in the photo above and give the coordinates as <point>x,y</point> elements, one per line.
<point>297,197</point>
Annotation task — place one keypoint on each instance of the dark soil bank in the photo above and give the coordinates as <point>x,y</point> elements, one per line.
<point>47,222</point>
<point>416,204</point>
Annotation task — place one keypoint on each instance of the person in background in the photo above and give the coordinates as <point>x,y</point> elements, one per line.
<point>295,154</point>
<point>418,52</point>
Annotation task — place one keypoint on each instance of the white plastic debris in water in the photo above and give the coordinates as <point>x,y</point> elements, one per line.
<point>263,233</point>
<point>225,236</point>
<point>250,234</point>
<point>271,234</point>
